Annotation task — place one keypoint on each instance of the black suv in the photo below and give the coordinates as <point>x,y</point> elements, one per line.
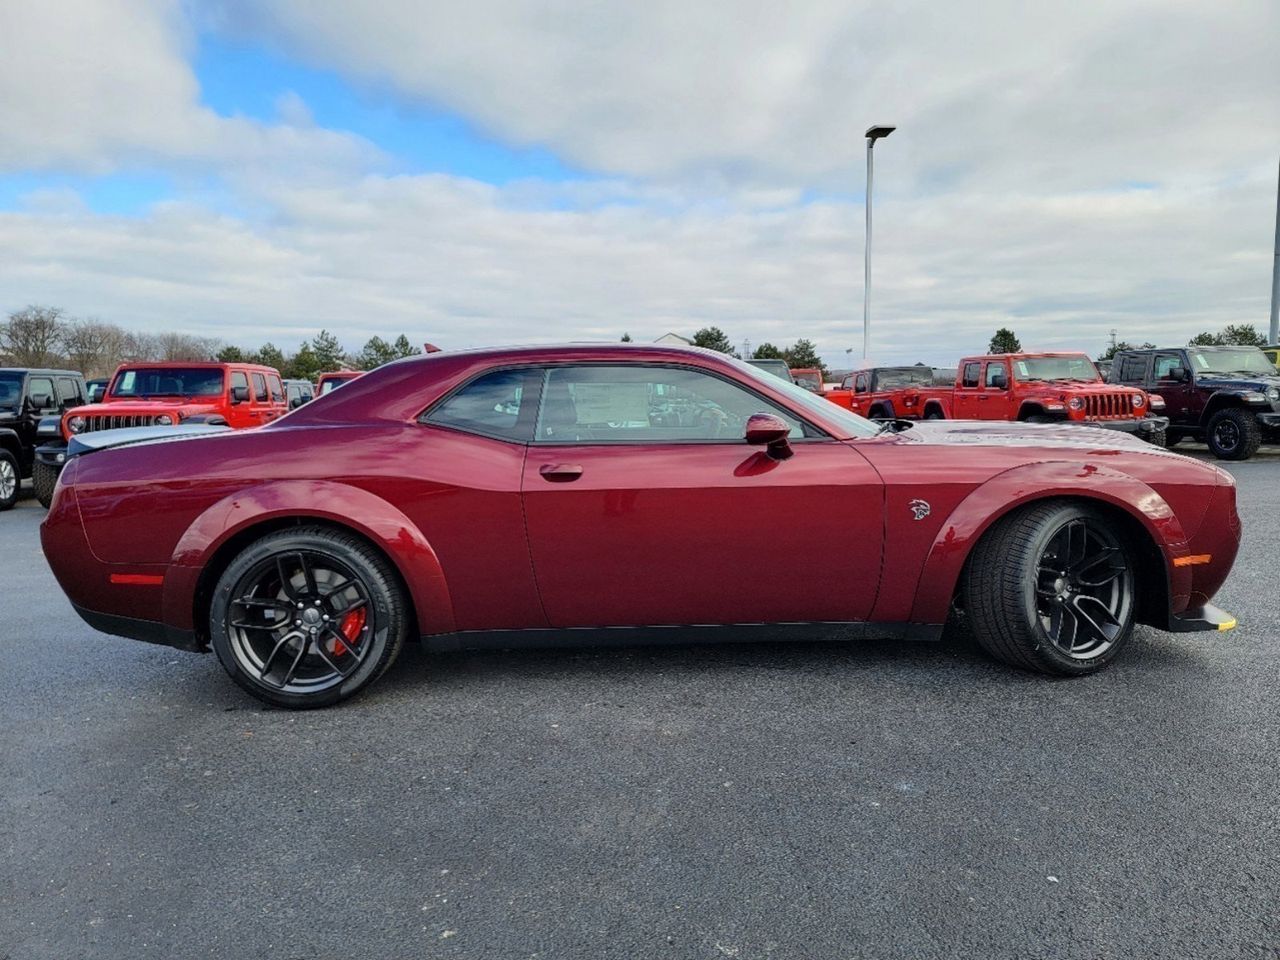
<point>26,396</point>
<point>1227,396</point>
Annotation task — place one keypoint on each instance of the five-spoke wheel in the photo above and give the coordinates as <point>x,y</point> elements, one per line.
<point>306,617</point>
<point>1052,588</point>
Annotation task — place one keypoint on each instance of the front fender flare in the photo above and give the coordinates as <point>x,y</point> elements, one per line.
<point>1007,491</point>
<point>327,500</point>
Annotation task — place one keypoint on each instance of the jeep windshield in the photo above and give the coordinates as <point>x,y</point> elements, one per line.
<point>1250,362</point>
<point>145,382</point>
<point>903,377</point>
<point>1080,369</point>
<point>10,391</point>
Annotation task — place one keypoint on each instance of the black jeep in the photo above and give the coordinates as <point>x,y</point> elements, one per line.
<point>26,396</point>
<point>1227,396</point>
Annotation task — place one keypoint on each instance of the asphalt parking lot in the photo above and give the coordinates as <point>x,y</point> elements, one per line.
<point>789,801</point>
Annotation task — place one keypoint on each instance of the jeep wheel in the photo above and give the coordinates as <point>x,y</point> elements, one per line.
<point>933,413</point>
<point>44,478</point>
<point>307,617</point>
<point>1233,434</point>
<point>10,480</point>
<point>1039,418</point>
<point>1051,588</point>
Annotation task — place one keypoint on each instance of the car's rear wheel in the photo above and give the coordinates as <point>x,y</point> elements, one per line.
<point>10,480</point>
<point>1233,434</point>
<point>307,617</point>
<point>44,478</point>
<point>933,413</point>
<point>1052,588</point>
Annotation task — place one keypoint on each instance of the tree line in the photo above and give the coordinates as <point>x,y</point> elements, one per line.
<point>800,355</point>
<point>38,336</point>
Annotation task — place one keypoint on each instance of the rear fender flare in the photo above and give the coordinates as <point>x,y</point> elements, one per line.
<point>1220,401</point>
<point>325,500</point>
<point>1002,494</point>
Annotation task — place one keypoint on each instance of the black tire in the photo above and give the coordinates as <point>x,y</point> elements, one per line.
<point>1233,434</point>
<point>10,480</point>
<point>1039,418</point>
<point>1173,437</point>
<point>1158,438</point>
<point>317,553</point>
<point>1011,606</point>
<point>44,478</point>
<point>934,413</point>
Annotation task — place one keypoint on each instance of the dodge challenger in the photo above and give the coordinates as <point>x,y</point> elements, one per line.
<point>626,494</point>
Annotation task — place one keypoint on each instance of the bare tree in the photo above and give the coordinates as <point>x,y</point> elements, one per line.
<point>183,346</point>
<point>94,347</point>
<point>31,337</point>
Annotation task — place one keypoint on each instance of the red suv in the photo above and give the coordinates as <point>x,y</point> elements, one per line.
<point>162,394</point>
<point>237,395</point>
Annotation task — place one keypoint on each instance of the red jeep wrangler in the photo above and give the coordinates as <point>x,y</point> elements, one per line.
<point>1050,388</point>
<point>164,394</point>
<point>902,393</point>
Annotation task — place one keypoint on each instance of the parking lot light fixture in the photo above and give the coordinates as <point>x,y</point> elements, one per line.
<point>878,132</point>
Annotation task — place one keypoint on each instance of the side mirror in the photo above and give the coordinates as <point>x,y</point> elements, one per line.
<point>296,402</point>
<point>96,394</point>
<point>239,394</point>
<point>999,381</point>
<point>769,431</point>
<point>1180,374</point>
<point>41,401</point>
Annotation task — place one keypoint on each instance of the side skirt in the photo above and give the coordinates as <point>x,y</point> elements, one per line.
<point>689,634</point>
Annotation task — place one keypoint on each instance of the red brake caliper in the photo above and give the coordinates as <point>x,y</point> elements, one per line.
<point>351,627</point>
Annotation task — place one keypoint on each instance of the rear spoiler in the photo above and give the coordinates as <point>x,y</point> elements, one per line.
<point>83,443</point>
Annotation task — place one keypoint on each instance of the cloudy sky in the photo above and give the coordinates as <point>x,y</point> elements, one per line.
<point>496,170</point>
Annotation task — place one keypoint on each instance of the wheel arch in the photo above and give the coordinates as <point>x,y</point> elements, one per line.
<point>1034,408</point>
<point>225,528</point>
<point>1217,402</point>
<point>1147,518</point>
<point>932,405</point>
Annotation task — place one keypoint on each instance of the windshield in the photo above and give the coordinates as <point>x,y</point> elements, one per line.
<point>1056,368</point>
<point>903,377</point>
<point>1250,361</point>
<point>168,382</point>
<point>807,402</point>
<point>10,390</point>
<point>777,367</point>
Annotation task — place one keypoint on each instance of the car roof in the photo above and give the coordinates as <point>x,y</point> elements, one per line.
<point>196,364</point>
<point>50,370</point>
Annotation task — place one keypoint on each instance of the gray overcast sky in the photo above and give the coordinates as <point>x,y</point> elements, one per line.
<point>498,171</point>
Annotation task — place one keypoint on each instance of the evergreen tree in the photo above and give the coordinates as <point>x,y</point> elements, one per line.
<point>375,353</point>
<point>1005,341</point>
<point>713,338</point>
<point>803,354</point>
<point>403,348</point>
<point>305,365</point>
<point>626,338</point>
<point>767,351</point>
<point>230,354</point>
<point>269,355</point>
<point>328,351</point>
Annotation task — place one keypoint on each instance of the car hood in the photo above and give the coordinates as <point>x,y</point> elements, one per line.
<point>125,408</point>
<point>1261,384</point>
<point>1076,436</point>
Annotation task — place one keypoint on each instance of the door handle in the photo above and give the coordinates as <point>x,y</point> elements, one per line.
<point>982,396</point>
<point>560,472</point>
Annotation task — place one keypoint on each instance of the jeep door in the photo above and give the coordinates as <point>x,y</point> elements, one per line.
<point>1182,400</point>
<point>646,507</point>
<point>239,414</point>
<point>964,400</point>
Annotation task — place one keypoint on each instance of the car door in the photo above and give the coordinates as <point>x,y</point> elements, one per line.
<point>1178,392</point>
<point>965,398</point>
<point>993,401</point>
<point>645,506</point>
<point>862,393</point>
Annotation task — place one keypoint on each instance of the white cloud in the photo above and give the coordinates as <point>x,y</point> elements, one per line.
<point>100,85</point>
<point>993,95</point>
<point>462,263</point>
<point>1060,168</point>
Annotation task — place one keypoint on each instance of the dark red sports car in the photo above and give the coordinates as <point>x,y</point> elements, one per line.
<point>586,494</point>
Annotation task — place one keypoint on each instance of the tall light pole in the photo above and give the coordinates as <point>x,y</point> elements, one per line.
<point>873,134</point>
<point>1275,276</point>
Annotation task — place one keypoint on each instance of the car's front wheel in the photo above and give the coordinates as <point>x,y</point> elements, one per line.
<point>1051,588</point>
<point>1233,434</point>
<point>10,480</point>
<point>307,617</point>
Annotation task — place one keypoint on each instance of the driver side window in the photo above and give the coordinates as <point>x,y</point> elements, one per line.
<point>636,404</point>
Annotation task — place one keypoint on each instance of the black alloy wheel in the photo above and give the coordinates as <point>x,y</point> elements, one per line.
<point>1233,434</point>
<point>308,617</point>
<point>1052,587</point>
